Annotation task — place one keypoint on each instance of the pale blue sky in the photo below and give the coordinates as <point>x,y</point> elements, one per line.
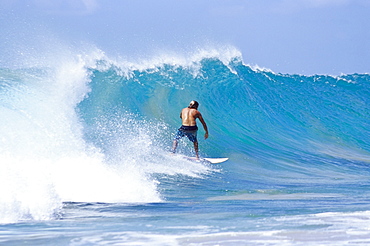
<point>287,36</point>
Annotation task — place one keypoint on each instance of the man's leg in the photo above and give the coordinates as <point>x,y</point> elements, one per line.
<point>196,149</point>
<point>178,136</point>
<point>174,146</point>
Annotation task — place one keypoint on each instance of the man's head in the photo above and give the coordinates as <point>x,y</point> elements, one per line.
<point>193,104</point>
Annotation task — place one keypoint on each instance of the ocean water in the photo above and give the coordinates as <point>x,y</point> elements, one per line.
<point>85,153</point>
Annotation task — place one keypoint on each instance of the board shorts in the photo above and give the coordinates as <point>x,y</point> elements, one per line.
<point>189,131</point>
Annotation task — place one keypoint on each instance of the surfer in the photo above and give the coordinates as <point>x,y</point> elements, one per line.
<point>189,126</point>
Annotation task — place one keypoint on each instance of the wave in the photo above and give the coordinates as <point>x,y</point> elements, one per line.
<point>93,129</point>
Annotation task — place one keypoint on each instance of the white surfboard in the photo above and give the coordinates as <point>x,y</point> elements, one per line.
<point>209,160</point>
<point>216,160</point>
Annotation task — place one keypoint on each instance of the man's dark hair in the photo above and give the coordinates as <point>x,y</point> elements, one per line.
<point>193,104</point>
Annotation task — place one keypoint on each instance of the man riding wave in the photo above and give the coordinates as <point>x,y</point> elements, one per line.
<point>189,126</point>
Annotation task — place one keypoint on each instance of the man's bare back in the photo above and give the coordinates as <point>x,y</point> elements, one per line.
<point>188,116</point>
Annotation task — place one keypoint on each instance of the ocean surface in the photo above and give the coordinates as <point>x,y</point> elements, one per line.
<point>85,157</point>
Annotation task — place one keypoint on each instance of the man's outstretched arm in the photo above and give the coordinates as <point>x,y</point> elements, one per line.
<point>204,126</point>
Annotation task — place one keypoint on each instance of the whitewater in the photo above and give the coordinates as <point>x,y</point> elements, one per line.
<point>85,142</point>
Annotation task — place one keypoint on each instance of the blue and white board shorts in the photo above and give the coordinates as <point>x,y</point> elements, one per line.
<point>189,131</point>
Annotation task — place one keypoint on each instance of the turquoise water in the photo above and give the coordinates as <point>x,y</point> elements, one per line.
<point>84,150</point>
